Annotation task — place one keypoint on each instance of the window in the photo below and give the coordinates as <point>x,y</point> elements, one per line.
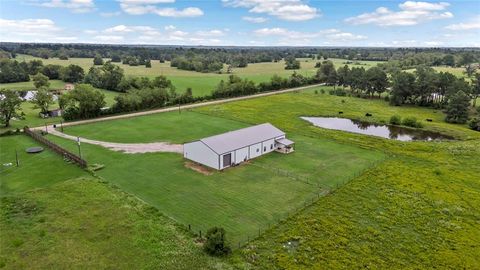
<point>264,148</point>
<point>271,146</point>
<point>258,150</point>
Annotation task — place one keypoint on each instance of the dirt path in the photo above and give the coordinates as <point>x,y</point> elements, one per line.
<point>130,148</point>
<point>190,106</point>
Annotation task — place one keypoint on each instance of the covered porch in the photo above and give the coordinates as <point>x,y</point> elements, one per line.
<point>284,146</point>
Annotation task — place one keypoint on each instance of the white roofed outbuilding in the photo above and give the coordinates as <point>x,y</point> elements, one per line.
<point>234,147</point>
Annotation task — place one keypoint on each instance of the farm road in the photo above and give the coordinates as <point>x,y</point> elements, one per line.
<point>190,106</point>
<point>133,148</point>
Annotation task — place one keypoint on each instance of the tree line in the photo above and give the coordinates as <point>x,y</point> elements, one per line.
<point>14,71</point>
<point>210,59</point>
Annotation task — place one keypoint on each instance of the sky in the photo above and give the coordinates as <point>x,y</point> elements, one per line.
<point>244,22</point>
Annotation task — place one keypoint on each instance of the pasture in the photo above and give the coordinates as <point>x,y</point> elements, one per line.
<point>201,83</point>
<point>244,199</point>
<point>83,223</point>
<point>417,208</point>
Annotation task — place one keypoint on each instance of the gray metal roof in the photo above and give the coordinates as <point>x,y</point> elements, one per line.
<point>285,141</point>
<point>241,138</point>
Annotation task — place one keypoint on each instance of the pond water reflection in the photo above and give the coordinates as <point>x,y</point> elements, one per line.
<point>384,131</point>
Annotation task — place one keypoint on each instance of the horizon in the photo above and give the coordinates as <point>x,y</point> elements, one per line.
<point>244,23</point>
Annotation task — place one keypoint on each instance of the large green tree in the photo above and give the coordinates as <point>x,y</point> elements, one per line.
<point>377,81</point>
<point>403,85</point>
<point>457,109</point>
<point>291,63</point>
<point>327,73</point>
<point>43,99</point>
<point>9,106</point>
<point>72,73</point>
<point>82,102</point>
<point>40,81</point>
<point>107,76</point>
<point>98,60</point>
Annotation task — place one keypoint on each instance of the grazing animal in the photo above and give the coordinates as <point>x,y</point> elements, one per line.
<point>340,112</point>
<point>429,120</point>
<point>368,114</point>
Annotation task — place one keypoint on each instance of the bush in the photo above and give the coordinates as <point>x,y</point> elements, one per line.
<point>411,122</point>
<point>216,242</point>
<point>396,120</point>
<point>338,92</point>
<point>474,124</point>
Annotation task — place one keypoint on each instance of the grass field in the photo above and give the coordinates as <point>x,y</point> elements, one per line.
<point>417,209</point>
<point>243,199</point>
<point>201,83</point>
<point>85,224</point>
<point>35,170</point>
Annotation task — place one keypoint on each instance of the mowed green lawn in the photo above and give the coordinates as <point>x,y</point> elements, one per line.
<point>243,199</point>
<point>35,170</point>
<point>201,83</point>
<point>173,127</point>
<point>85,224</point>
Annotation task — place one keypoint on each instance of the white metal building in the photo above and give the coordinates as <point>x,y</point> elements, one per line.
<point>234,147</point>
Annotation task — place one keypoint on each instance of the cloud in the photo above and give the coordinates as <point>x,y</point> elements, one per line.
<point>410,13</point>
<point>210,33</point>
<point>140,7</point>
<point>28,27</point>
<point>170,27</point>
<point>90,32</point>
<point>287,36</point>
<point>125,29</point>
<point>289,10</point>
<point>77,6</point>
<point>473,24</point>
<point>110,14</point>
<point>254,19</point>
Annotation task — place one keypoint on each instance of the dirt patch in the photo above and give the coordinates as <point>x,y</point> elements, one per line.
<point>198,168</point>
<point>129,148</point>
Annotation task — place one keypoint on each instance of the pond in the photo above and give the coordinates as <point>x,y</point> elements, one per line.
<point>384,131</point>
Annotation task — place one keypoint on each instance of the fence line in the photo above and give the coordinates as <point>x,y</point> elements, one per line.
<point>56,148</point>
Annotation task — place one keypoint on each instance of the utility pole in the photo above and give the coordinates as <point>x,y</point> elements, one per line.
<point>16,157</point>
<point>179,111</point>
<point>79,149</point>
<point>61,125</point>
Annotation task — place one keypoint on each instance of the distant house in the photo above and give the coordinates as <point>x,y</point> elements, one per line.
<point>52,113</point>
<point>68,87</point>
<point>232,148</point>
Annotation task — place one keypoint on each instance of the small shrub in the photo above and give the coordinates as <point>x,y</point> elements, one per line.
<point>411,122</point>
<point>216,242</point>
<point>474,124</point>
<point>323,92</point>
<point>396,120</point>
<point>316,92</point>
<point>343,100</point>
<point>387,98</point>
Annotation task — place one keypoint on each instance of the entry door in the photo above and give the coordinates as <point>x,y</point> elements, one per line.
<point>227,160</point>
